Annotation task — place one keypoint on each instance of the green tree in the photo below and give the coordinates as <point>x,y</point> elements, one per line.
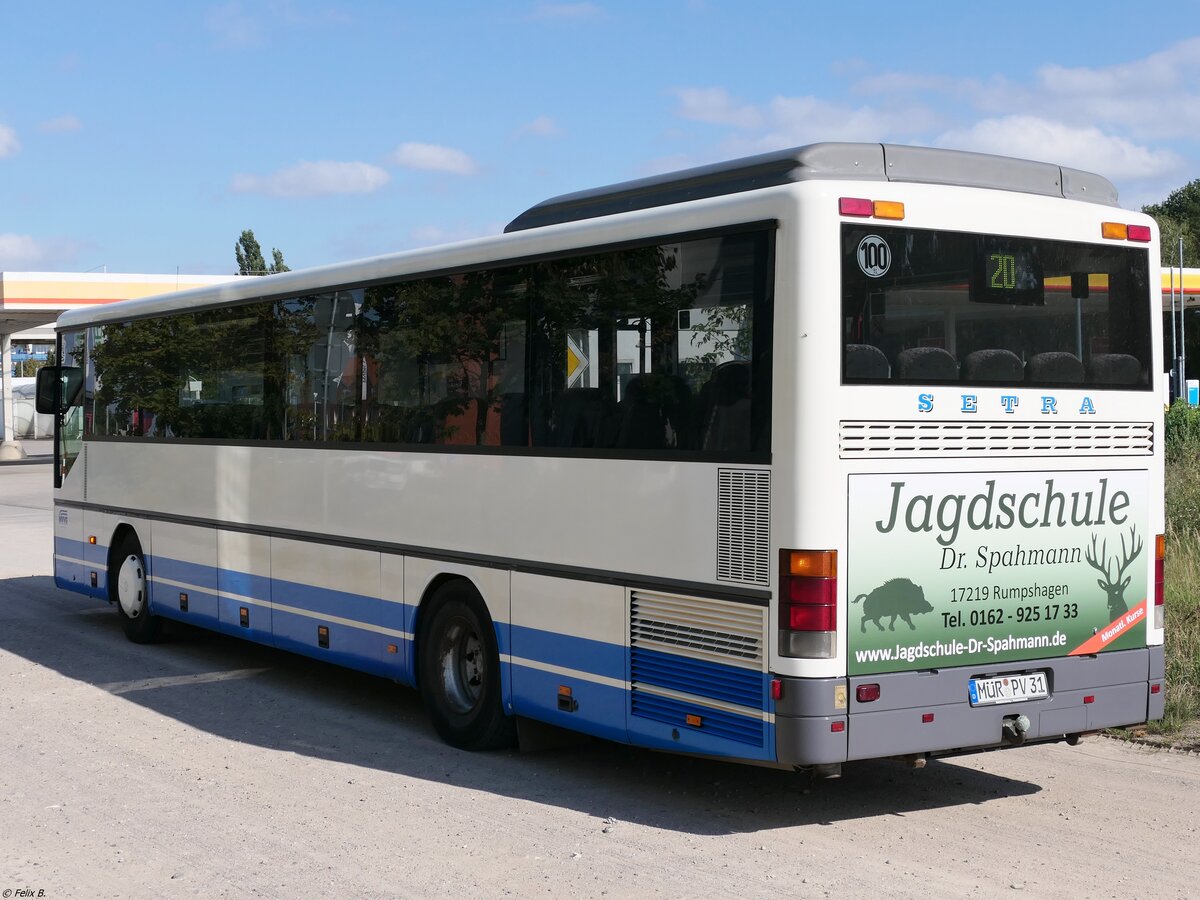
<point>1179,216</point>
<point>250,258</point>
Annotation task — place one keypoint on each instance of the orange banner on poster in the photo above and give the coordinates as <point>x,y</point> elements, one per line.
<point>1111,632</point>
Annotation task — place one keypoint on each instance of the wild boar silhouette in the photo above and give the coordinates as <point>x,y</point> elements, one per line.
<point>898,598</point>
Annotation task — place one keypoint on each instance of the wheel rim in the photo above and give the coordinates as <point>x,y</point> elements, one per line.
<point>131,586</point>
<point>461,667</point>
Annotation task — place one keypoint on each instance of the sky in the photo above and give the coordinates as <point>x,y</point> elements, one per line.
<point>145,136</point>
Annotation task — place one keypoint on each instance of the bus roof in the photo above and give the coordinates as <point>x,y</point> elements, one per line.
<point>827,161</point>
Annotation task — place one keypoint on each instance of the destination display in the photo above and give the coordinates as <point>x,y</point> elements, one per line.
<point>966,568</point>
<point>1007,270</point>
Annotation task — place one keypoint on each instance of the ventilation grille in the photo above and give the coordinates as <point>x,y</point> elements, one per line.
<point>699,658</point>
<point>743,525</point>
<point>708,630</point>
<point>876,440</point>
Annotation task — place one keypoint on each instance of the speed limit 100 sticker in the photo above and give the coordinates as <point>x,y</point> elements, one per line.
<point>874,256</point>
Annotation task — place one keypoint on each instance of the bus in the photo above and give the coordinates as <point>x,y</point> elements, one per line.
<point>843,452</point>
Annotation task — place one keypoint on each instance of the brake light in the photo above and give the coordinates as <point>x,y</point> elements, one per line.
<point>863,208</point>
<point>854,206</point>
<point>1119,231</point>
<point>807,603</point>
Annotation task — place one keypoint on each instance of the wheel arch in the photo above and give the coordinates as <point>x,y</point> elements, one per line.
<point>491,587</point>
<point>425,607</point>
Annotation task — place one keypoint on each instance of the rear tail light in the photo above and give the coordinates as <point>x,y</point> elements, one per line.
<point>808,603</point>
<point>1119,231</point>
<point>861,207</point>
<point>1160,555</point>
<point>855,206</point>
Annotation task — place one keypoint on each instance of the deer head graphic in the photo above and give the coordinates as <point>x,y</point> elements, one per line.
<point>1115,586</point>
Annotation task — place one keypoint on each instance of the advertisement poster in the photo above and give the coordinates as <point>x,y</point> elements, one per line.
<point>963,569</point>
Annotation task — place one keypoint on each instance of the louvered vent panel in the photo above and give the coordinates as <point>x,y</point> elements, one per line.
<point>715,631</point>
<point>699,657</point>
<point>743,525</point>
<point>897,440</point>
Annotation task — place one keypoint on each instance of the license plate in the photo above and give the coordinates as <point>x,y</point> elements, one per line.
<point>1008,688</point>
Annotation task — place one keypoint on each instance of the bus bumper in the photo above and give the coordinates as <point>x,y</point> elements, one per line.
<point>928,713</point>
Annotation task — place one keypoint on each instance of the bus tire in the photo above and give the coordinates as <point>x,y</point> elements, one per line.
<point>459,671</point>
<point>129,589</point>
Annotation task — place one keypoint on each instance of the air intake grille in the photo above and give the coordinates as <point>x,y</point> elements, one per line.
<point>894,440</point>
<point>696,657</point>
<point>711,630</point>
<point>743,525</point>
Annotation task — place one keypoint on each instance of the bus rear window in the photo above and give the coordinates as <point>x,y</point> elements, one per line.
<point>930,307</point>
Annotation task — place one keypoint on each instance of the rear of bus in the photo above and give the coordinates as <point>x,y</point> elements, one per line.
<point>972,555</point>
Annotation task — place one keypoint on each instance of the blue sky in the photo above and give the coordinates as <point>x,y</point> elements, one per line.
<point>144,136</point>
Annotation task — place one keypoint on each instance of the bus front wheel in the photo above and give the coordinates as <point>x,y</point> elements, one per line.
<point>129,588</point>
<point>459,672</point>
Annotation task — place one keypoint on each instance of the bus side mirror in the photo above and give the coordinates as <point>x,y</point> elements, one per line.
<point>58,388</point>
<point>45,400</point>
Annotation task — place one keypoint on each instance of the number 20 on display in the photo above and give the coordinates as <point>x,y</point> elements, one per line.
<point>1004,271</point>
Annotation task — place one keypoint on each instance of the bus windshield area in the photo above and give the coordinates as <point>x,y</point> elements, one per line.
<point>928,307</point>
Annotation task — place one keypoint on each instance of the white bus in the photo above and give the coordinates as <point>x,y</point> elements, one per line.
<point>842,452</point>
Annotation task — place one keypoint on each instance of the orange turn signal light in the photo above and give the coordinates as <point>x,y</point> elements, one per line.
<point>813,563</point>
<point>1115,230</point>
<point>889,209</point>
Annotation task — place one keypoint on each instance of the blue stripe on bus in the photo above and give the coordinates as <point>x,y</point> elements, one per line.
<point>569,652</point>
<point>602,709</point>
<point>188,573</point>
<point>327,601</point>
<point>244,584</point>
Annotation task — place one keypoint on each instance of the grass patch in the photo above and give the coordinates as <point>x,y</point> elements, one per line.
<point>1182,601</point>
<point>1182,639</point>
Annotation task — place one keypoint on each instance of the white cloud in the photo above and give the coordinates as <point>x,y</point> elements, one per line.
<point>1086,147</point>
<point>1152,97</point>
<point>434,158</point>
<point>542,126</point>
<point>61,125</point>
<point>9,145</point>
<point>24,252</point>
<point>714,106</point>
<point>315,179</point>
<point>792,121</point>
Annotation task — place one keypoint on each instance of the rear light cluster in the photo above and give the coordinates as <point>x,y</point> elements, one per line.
<point>1120,232</point>
<point>867,209</point>
<point>808,603</point>
<point>1160,555</point>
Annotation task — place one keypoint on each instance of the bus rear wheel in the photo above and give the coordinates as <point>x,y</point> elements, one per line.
<point>459,672</point>
<point>129,588</point>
